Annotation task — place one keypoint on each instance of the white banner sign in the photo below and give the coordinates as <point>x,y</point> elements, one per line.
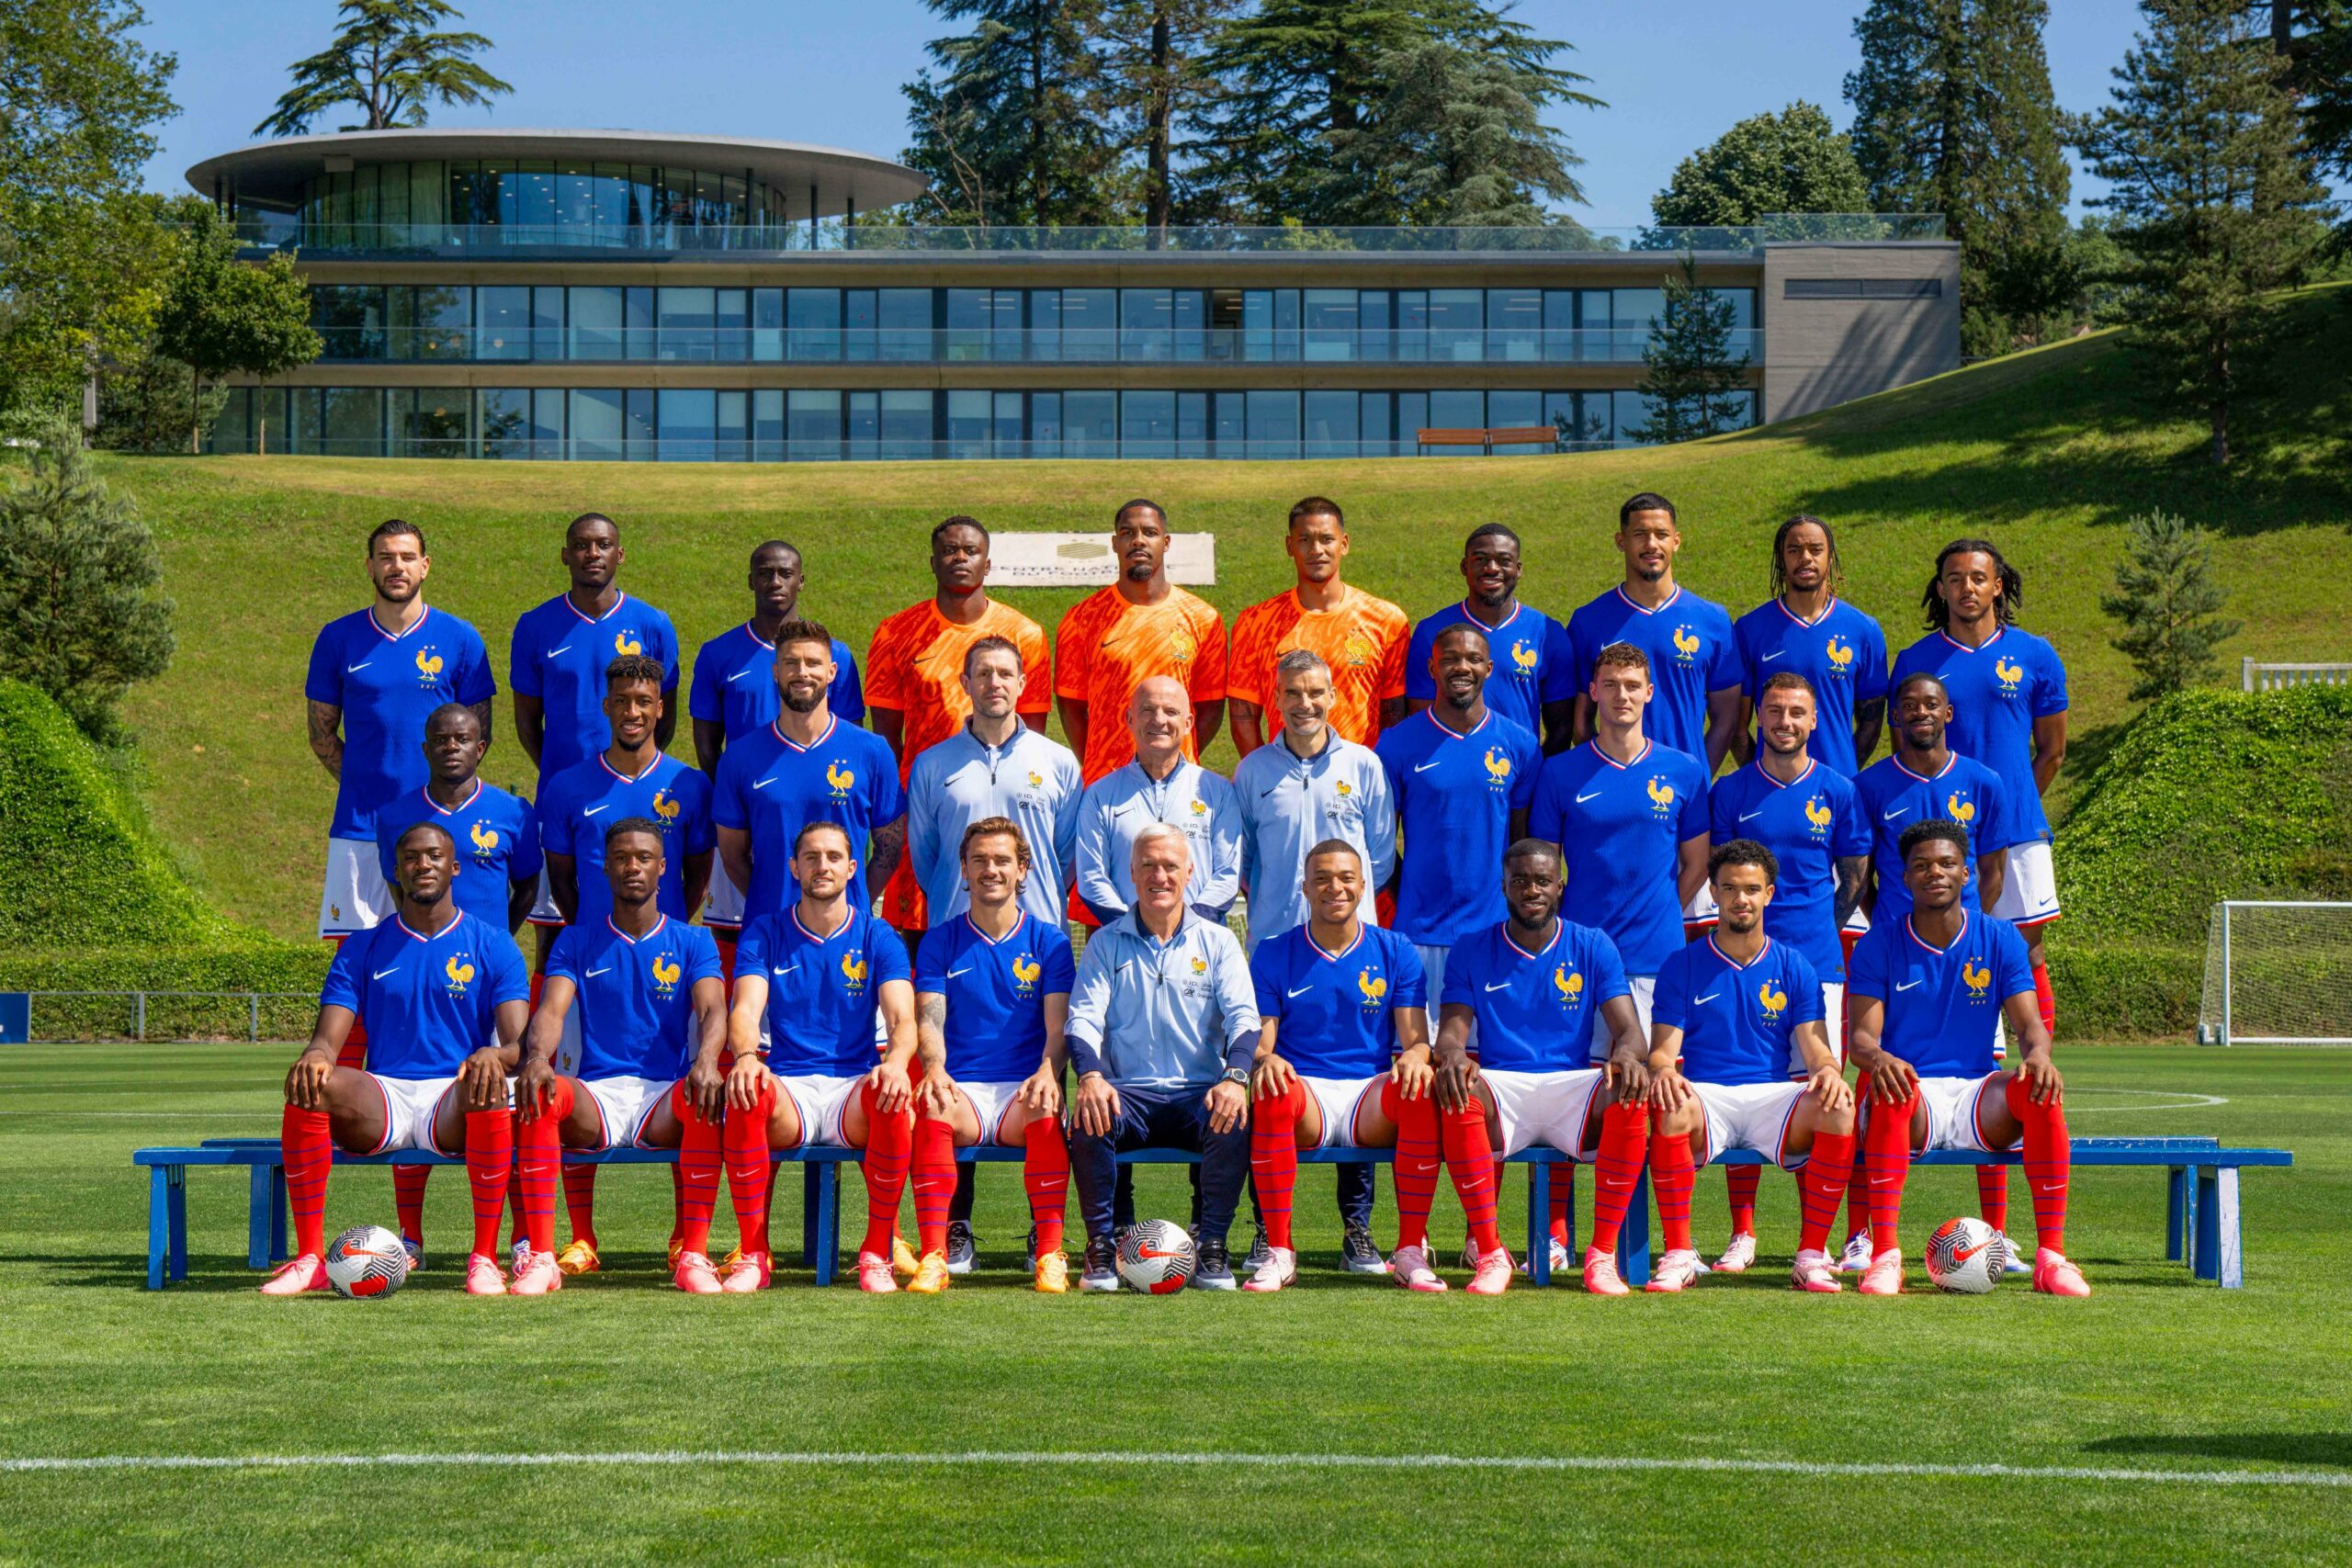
<point>1084,561</point>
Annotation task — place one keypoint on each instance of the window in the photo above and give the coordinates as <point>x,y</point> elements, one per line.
<point>596,321</point>
<point>768,325</point>
<point>734,427</point>
<point>1331,427</point>
<point>1045,424</point>
<point>351,423</point>
<point>813,321</point>
<point>1374,424</point>
<point>1519,411</point>
<point>1328,319</point>
<point>639,429</point>
<point>1514,323</point>
<point>812,428</point>
<point>905,419</point>
<point>1148,424</point>
<point>1457,410</point>
<point>731,324</point>
<point>1863,289</point>
<point>903,316</point>
<point>1457,324</point>
<point>597,424</point>
<point>968,422</point>
<point>349,319</point>
<point>1273,424</point>
<point>689,419</point>
<point>685,318</point>
<point>1192,425</point>
<point>503,418</point>
<point>503,323</point>
<point>431,422</point>
<point>1090,424</point>
<point>767,422</point>
<point>1270,325</point>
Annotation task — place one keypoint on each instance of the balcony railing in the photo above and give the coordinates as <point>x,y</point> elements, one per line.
<point>704,449</point>
<point>1027,345</point>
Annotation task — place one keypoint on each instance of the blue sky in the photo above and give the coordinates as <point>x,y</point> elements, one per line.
<point>821,71</point>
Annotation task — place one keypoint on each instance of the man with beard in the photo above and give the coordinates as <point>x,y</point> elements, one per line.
<point>1532,678</point>
<point>1807,629</point>
<point>1115,639</point>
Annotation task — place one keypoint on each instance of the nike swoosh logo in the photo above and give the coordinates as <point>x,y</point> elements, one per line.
<point>356,669</point>
<point>381,972</point>
<point>1153,1252</point>
<point>1749,816</point>
<point>763,784</point>
<point>1425,767</point>
<point>1711,996</point>
<point>1774,654</point>
<point>1904,985</point>
<point>965,970</point>
<point>737,676</point>
<point>1582,798</point>
<point>781,972</point>
<point>1963,1254</point>
<point>1300,992</point>
<point>591,811</point>
<point>1898,811</point>
<point>553,651</point>
<point>606,970</point>
<point>1496,985</point>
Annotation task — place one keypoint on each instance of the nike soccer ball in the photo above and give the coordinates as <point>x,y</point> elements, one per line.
<point>366,1260</point>
<point>1966,1256</point>
<point>1155,1258</point>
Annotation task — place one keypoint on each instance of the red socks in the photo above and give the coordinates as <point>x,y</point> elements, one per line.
<point>1470,1160</point>
<point>1417,1157</point>
<point>1564,1198</point>
<point>408,1199</point>
<point>1886,1152</point>
<point>934,1181</point>
<point>1616,1167</point>
<point>1992,1195</point>
<point>539,1152</point>
<point>1858,1188</point>
<point>889,1146</point>
<point>1820,1183</point>
<point>1046,1173</point>
<point>309,1152</point>
<point>698,1162</point>
<point>1740,1181</point>
<point>2045,1000</point>
<point>744,1141</point>
<point>1671,1177</point>
<point>490,1162</point>
<point>2047,1158</point>
<point>580,1201</point>
<point>1274,1157</point>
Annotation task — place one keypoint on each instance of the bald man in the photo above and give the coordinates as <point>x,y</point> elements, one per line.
<point>1162,784</point>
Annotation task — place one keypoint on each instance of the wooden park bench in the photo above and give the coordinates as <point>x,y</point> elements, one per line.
<point>1486,440</point>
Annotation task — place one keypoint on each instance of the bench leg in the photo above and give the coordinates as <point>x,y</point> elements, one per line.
<point>1633,1239</point>
<point>1568,1177</point>
<point>159,1224</point>
<point>257,1217</point>
<point>279,1205</point>
<point>2229,1257</point>
<point>2208,1224</point>
<point>2176,1211</point>
<point>1539,1224</point>
<point>2190,1194</point>
<point>828,1209</point>
<point>809,1215</point>
<point>178,1191</point>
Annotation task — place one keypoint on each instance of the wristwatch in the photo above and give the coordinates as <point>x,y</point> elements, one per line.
<point>1236,1076</point>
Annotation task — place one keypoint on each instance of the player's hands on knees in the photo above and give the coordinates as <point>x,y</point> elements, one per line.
<point>1228,1107</point>
<point>1892,1081</point>
<point>533,1084</point>
<point>892,1092</point>
<point>1041,1091</point>
<point>481,1080</point>
<point>746,1082</point>
<point>306,1081</point>
<point>1629,1080</point>
<point>706,1090</point>
<point>1412,1074</point>
<point>937,1091</point>
<point>1271,1078</point>
<point>2042,1084</point>
<point>1828,1087</point>
<point>1097,1106</point>
<point>1669,1090</point>
<point>1456,1080</point>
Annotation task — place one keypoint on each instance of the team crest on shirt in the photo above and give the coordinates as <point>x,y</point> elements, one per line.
<point>841,779</point>
<point>1661,795</point>
<point>460,974</point>
<point>1372,987</point>
<point>1976,978</point>
<point>853,973</point>
<point>428,666</point>
<point>1037,779</point>
<point>665,975</point>
<point>1498,768</point>
<point>1568,983</point>
<point>1025,970</point>
<point>1200,807</point>
<point>485,841</point>
<point>1773,1000</point>
<point>1200,966</point>
<point>665,808</point>
<point>1182,648</point>
<point>1841,656</point>
<point>1818,816</point>
<point>1686,646</point>
<point>1359,653</point>
<point>2009,672</point>
<point>1961,811</point>
<point>625,644</point>
<point>1524,658</point>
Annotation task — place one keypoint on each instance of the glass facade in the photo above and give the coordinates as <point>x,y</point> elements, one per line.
<point>540,200</point>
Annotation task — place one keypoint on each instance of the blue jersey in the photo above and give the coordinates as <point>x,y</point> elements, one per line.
<point>1454,797</point>
<point>1942,1005</point>
<point>735,683</point>
<point>1842,651</point>
<point>1532,664</point>
<point>636,1003</point>
<point>770,787</point>
<point>428,1002</point>
<point>1690,650</point>
<point>498,843</point>
<point>1335,1012</point>
<point>385,687</point>
<point>1893,797</point>
<point>579,804</point>
<point>1535,1010</point>
<point>1997,691</point>
<point>1809,825</point>
<point>1738,1021</point>
<point>996,989</point>
<point>559,655</point>
<point>1621,829</point>
<point>821,1016</point>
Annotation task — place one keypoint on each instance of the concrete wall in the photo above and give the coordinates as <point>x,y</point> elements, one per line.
<point>1823,351</point>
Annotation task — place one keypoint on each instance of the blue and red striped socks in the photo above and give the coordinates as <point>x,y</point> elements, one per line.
<point>1274,1157</point>
<point>2046,1162</point>
<point>890,1147</point>
<point>1044,1171</point>
<point>538,1153</point>
<point>934,1180</point>
<point>1416,1162</point>
<point>1616,1168</point>
<point>697,1171</point>
<point>1820,1184</point>
<point>490,1162</point>
<point>1886,1150</point>
<point>1470,1161</point>
<point>308,1150</point>
<point>744,1140</point>
<point>1672,1177</point>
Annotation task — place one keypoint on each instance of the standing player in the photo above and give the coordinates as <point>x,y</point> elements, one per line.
<point>652,1019</point>
<point>808,984</point>
<point>2009,712</point>
<point>1115,639</point>
<point>1733,1010</point>
<point>991,1000</point>
<point>1930,991</point>
<point>1532,678</point>
<point>914,675</point>
<point>1160,785</point>
<point>1520,1000</point>
<point>1807,814</point>
<point>1692,658</point>
<point>1463,776</point>
<point>1361,639</point>
<point>1806,630</point>
<point>734,694</point>
<point>375,674</point>
<point>1344,1043</point>
<point>448,994</point>
<point>806,764</point>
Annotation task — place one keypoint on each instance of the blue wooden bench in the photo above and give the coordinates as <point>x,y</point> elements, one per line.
<point>2201,1212</point>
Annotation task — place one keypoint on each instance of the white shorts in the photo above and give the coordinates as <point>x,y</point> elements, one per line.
<point>410,1106</point>
<point>1338,1099</point>
<point>820,1100</point>
<point>356,895</point>
<point>722,907</point>
<point>990,1102</point>
<point>626,1104</point>
<point>1644,988</point>
<point>1750,1116</point>
<point>1544,1108</point>
<point>543,909</point>
<point>1701,911</point>
<point>1951,1113</point>
<point>2030,891</point>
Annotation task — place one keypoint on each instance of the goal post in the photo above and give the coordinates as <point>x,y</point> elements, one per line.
<point>2277,971</point>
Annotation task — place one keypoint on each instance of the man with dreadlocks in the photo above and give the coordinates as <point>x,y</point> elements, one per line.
<point>1807,629</point>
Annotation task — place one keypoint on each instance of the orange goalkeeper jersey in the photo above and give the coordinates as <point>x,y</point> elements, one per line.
<point>1362,640</point>
<point>1105,648</point>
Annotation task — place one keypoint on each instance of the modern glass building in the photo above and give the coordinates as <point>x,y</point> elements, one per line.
<point>623,295</point>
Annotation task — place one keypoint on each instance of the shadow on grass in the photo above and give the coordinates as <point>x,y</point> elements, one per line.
<point>2269,1447</point>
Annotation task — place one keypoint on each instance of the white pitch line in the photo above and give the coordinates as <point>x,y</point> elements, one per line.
<point>2177,1099</point>
<point>1023,1458</point>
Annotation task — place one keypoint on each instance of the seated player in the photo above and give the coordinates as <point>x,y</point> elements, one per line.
<point>1521,1003</point>
<point>991,999</point>
<point>809,983</point>
<point>1927,992</point>
<point>1731,1010</point>
<point>447,994</point>
<point>1343,1045</point>
<point>651,999</point>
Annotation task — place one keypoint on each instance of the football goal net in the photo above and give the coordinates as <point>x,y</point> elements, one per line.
<point>2278,973</point>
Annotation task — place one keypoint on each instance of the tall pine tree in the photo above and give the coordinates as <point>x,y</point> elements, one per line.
<point>1693,381</point>
<point>2203,148</point>
<point>1953,114</point>
<point>1156,87</point>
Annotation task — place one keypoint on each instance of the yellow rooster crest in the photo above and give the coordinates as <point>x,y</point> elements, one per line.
<point>1978,978</point>
<point>1373,986</point>
<point>666,973</point>
<point>1661,793</point>
<point>485,835</point>
<point>1772,1001</point>
<point>1498,765</point>
<point>1200,966</point>
<point>1570,986</point>
<point>428,663</point>
<point>460,974</point>
<point>841,779</point>
<point>1180,648</point>
<point>1840,655</point>
<point>1037,779</point>
<point>1025,970</point>
<point>1346,788</point>
<point>665,806</point>
<point>1961,811</point>
<point>853,970</point>
<point>622,645</point>
<point>1359,653</point>
<point>1686,643</point>
<point>1199,808</point>
<point>2011,673</point>
<point>1524,657</point>
<point>1817,812</point>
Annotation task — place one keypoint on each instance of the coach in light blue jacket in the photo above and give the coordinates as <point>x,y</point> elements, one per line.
<point>1160,785</point>
<point>1308,785</point>
<point>1163,1022</point>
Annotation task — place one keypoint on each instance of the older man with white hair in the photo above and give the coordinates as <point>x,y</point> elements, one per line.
<point>1162,786</point>
<point>1163,1023</point>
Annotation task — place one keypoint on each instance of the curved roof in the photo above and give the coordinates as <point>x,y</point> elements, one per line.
<point>272,172</point>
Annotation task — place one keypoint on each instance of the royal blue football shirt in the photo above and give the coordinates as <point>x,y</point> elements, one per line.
<point>1807,825</point>
<point>1842,651</point>
<point>1997,691</point>
<point>821,990</point>
<point>580,804</point>
<point>1532,664</point>
<point>498,842</point>
<point>1943,1005</point>
<point>386,686</point>
<point>1534,1007</point>
<point>734,682</point>
<point>636,996</point>
<point>1454,795</point>
<point>995,990</point>
<point>1335,1012</point>
<point>1738,1021</point>
<point>428,1002</point>
<point>1690,650</point>
<point>770,787</point>
<point>1620,828</point>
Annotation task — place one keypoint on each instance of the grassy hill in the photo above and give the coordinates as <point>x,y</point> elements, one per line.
<point>2047,452</point>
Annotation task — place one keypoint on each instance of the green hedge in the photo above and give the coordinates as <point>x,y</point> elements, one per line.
<point>287,968</point>
<point>2104,990</point>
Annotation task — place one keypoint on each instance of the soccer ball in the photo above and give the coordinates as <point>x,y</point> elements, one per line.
<point>366,1260</point>
<point>1966,1256</point>
<point>1155,1258</point>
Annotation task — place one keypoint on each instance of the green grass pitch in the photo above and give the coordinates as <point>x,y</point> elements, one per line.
<point>2155,1374</point>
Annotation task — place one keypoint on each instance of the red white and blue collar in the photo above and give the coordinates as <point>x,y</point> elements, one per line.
<point>661,923</point>
<point>832,722</point>
<point>1662,604</point>
<point>1648,745</point>
<point>1328,955</point>
<point>1912,931</point>
<point>423,615</point>
<point>619,599</point>
<point>1714,947</point>
<point>1020,918</point>
<point>606,763</point>
<point>1558,927</point>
